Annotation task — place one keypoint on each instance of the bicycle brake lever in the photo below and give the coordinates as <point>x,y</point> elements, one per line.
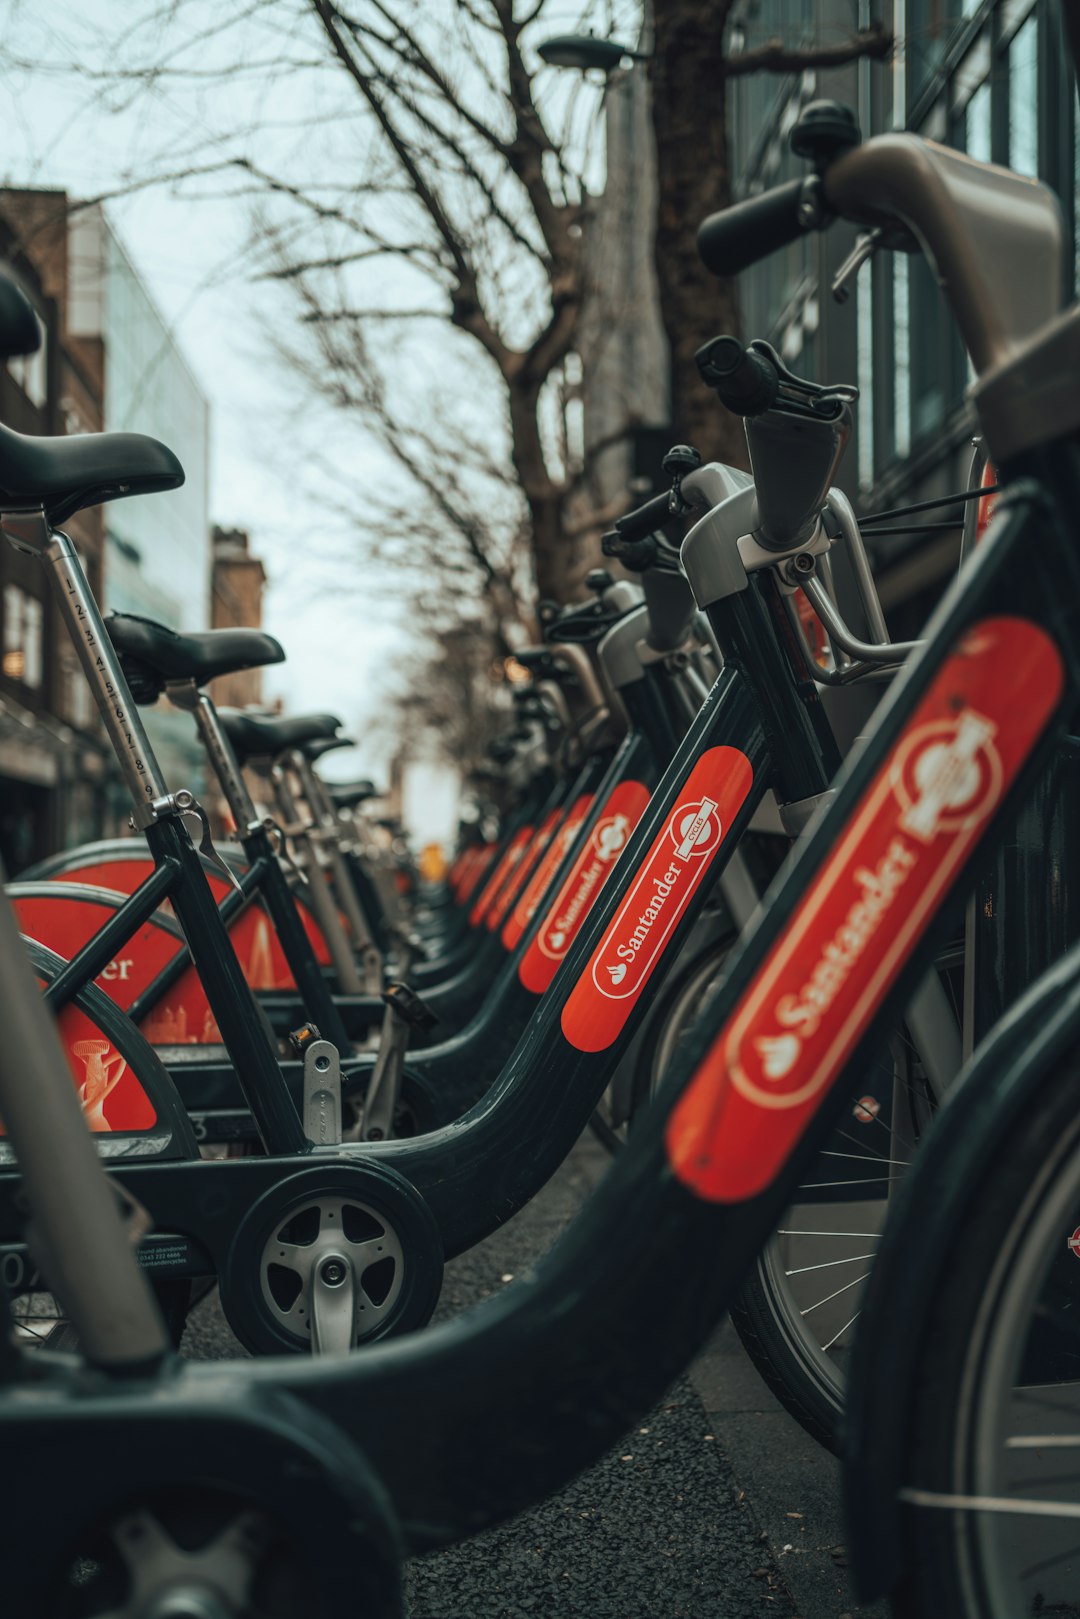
<point>277,834</point>
<point>865,248</point>
<point>185,803</point>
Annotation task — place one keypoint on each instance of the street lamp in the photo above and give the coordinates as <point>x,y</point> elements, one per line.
<point>585,51</point>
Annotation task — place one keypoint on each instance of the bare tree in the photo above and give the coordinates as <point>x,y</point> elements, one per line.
<point>488,236</point>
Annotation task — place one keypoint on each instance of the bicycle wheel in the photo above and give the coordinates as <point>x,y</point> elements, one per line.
<point>796,1314</point>
<point>992,1514</point>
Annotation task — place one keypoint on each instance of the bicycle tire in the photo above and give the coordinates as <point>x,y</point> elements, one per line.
<point>1004,1260</point>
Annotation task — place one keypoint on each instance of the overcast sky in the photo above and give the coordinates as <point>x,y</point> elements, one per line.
<point>281,467</point>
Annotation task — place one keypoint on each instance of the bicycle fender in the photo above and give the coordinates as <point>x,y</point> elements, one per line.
<point>998,1086</point>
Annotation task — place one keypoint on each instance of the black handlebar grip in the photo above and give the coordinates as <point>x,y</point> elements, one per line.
<point>19,333</point>
<point>746,381</point>
<point>636,555</point>
<point>739,236</point>
<point>646,519</point>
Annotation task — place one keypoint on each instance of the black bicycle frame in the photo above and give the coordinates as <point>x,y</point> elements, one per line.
<point>477,1172</point>
<point>507,1385</point>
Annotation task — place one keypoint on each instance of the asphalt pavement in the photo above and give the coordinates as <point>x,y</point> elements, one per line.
<point>717,1506</point>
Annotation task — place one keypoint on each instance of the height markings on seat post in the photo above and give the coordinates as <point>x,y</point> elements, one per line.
<point>670,874</point>
<point>541,879</point>
<point>749,1103</point>
<point>623,809</point>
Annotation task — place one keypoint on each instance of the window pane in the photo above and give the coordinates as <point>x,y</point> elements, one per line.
<point>977,141</point>
<point>929,347</point>
<point>33,619</point>
<point>12,618</point>
<point>1023,113</point>
<point>902,353</point>
<point>864,306</point>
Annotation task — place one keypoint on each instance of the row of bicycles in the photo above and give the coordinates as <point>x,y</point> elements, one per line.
<point>791,991</point>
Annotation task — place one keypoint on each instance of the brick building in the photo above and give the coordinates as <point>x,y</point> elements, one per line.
<point>57,780</point>
<point>237,583</point>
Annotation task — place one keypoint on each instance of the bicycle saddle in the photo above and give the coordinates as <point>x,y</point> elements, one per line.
<point>64,474</point>
<point>261,736</point>
<point>157,651</point>
<point>347,793</point>
<point>325,744</point>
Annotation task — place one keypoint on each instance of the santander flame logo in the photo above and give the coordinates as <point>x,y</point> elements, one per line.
<point>778,1054</point>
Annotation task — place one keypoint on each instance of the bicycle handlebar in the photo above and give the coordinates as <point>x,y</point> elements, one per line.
<point>745,380</point>
<point>994,237</point>
<point>639,524</point>
<point>739,236</point>
<point>19,333</point>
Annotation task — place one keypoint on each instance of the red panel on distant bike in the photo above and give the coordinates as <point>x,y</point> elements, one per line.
<point>747,1106</point>
<point>512,887</point>
<point>512,855</point>
<point>672,871</point>
<point>541,879</point>
<point>181,1017</point>
<point>623,810</point>
<point>252,934</point>
<point>473,877</point>
<point>112,1098</point>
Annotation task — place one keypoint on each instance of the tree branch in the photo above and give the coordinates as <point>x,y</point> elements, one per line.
<point>875,42</point>
<point>466,309</point>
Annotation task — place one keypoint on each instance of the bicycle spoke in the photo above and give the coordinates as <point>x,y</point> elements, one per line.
<point>872,1180</point>
<point>1002,1504</point>
<point>838,1335</point>
<point>867,1157</point>
<point>1043,1441</point>
<point>845,1289</point>
<point>787,1231</point>
<point>827,1264</point>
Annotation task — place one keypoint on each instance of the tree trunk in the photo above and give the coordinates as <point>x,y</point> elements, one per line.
<point>694,179</point>
<point>561,560</point>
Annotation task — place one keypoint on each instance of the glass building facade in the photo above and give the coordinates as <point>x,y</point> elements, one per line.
<point>158,552</point>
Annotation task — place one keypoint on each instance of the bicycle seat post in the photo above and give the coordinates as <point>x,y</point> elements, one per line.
<point>322,901</point>
<point>31,532</point>
<point>326,829</point>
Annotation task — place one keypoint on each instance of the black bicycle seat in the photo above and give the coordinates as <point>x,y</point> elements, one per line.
<point>64,474</point>
<point>152,654</point>
<point>263,736</point>
<point>325,744</point>
<point>347,793</point>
